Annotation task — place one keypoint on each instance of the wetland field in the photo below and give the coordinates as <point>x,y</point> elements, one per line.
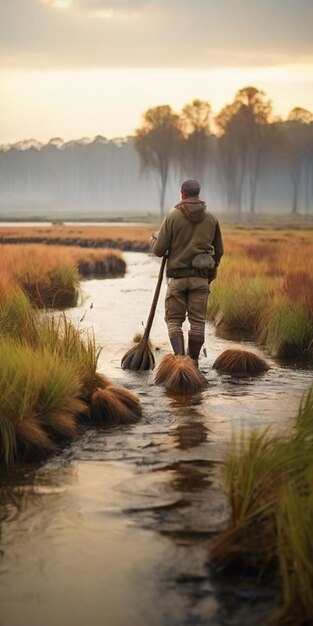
<point>182,510</point>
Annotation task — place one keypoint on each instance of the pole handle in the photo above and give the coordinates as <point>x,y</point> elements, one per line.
<point>155,300</point>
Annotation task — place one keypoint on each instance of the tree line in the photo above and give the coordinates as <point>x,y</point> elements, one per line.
<point>246,158</point>
<point>240,143</point>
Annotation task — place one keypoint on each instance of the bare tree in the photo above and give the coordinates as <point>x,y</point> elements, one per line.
<point>157,143</point>
<point>299,131</point>
<point>196,129</point>
<point>232,154</point>
<point>245,131</point>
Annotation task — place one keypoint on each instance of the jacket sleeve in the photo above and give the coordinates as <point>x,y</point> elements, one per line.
<point>218,244</point>
<point>161,241</point>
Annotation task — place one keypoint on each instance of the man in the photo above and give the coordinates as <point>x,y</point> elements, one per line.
<point>189,230</point>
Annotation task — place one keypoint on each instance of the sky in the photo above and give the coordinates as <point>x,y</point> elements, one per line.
<point>77,68</point>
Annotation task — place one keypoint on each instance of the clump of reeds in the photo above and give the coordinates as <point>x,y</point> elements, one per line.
<point>289,331</point>
<point>98,263</point>
<point>269,484</point>
<point>17,317</point>
<point>40,400</point>
<point>264,292</point>
<point>113,406</point>
<point>48,378</point>
<point>240,363</point>
<point>50,275</point>
<point>179,374</point>
<point>57,289</point>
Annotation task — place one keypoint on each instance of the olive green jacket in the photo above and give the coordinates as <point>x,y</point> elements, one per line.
<point>186,231</point>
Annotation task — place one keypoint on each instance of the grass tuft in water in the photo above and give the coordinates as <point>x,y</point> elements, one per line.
<point>179,375</point>
<point>240,363</point>
<point>269,485</point>
<point>114,406</point>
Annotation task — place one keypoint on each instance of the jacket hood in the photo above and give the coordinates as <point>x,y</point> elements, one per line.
<point>192,208</point>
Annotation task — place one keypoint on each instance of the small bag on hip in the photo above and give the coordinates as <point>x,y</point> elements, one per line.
<point>204,260</point>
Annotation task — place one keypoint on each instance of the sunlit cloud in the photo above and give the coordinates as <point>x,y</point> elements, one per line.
<point>59,4</point>
<point>114,5</point>
<point>109,9</point>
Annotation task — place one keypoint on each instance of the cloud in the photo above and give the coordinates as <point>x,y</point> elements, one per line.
<point>112,4</point>
<point>154,33</point>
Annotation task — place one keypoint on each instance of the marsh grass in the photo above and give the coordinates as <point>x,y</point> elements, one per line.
<point>40,399</point>
<point>16,314</point>
<point>289,330</point>
<point>64,340</point>
<point>48,377</point>
<point>133,234</point>
<point>57,289</point>
<point>269,485</point>
<point>50,275</point>
<point>98,263</point>
<point>264,291</point>
<point>295,554</point>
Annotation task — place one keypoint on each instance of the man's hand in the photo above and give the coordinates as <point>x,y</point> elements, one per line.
<point>152,240</point>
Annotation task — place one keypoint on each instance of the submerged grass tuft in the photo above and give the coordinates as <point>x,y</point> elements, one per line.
<point>240,363</point>
<point>114,406</point>
<point>179,375</point>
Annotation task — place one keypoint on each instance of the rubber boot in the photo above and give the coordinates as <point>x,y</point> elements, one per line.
<point>178,344</point>
<point>194,348</point>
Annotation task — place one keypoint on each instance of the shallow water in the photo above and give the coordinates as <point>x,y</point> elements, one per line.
<point>116,529</point>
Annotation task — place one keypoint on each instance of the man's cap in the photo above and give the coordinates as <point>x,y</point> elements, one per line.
<point>191,187</point>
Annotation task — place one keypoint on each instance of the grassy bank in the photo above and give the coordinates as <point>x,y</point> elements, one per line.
<point>48,382</point>
<point>134,237</point>
<point>50,275</point>
<point>269,486</point>
<point>264,291</point>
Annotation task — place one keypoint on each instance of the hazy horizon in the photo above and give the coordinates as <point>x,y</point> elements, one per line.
<point>77,68</point>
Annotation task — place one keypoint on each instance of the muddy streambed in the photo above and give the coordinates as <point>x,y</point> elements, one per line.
<point>116,529</point>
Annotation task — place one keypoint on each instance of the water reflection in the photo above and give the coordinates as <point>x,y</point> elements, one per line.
<point>190,434</point>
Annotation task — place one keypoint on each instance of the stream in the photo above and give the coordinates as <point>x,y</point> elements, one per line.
<point>116,529</point>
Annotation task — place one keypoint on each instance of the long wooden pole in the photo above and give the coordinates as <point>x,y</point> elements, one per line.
<point>140,357</point>
<point>155,300</point>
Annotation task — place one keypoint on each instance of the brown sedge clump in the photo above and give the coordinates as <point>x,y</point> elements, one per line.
<point>240,363</point>
<point>115,406</point>
<point>179,374</point>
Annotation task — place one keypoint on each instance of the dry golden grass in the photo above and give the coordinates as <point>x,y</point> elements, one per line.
<point>39,260</point>
<point>140,234</point>
<point>179,375</point>
<point>49,275</point>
